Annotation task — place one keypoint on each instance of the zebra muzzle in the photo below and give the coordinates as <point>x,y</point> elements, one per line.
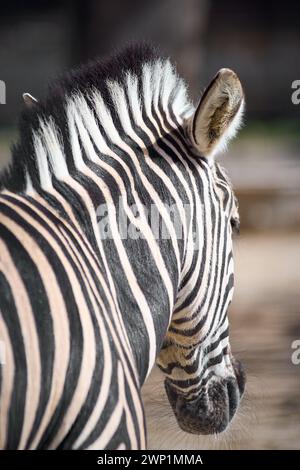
<point>214,407</point>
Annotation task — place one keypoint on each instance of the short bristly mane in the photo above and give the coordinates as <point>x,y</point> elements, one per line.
<point>106,97</point>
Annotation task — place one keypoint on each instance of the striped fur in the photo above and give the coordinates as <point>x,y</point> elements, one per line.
<point>83,318</point>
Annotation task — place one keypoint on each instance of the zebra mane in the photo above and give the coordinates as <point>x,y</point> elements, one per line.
<point>113,92</point>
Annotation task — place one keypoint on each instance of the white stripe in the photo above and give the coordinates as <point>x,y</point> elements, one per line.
<point>115,418</point>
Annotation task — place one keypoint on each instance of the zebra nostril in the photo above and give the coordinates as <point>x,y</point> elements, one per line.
<point>240,376</point>
<point>233,397</point>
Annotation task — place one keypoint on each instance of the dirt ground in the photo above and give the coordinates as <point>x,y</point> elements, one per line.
<point>265,320</point>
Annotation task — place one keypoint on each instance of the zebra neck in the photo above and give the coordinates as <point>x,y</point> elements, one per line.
<point>99,151</point>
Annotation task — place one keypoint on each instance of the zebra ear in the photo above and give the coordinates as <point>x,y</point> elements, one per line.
<point>218,115</point>
<point>29,100</point>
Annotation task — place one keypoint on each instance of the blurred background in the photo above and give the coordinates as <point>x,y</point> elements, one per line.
<point>40,39</point>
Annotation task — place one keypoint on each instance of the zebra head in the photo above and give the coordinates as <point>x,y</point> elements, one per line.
<point>204,382</point>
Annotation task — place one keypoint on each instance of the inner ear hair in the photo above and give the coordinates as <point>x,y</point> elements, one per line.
<point>219,113</point>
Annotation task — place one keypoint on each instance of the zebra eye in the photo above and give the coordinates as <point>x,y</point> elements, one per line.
<point>235,225</point>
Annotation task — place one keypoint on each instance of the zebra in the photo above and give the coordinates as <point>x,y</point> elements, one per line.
<point>85,314</point>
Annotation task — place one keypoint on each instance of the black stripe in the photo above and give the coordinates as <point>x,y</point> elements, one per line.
<point>18,396</point>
